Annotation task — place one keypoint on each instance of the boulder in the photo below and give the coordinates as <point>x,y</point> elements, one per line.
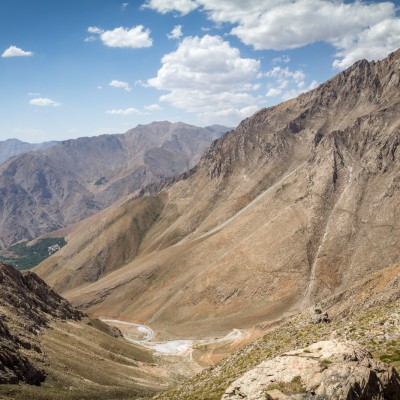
<point>327,370</point>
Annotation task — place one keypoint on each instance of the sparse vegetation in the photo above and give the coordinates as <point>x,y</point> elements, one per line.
<point>101,181</point>
<point>370,327</point>
<point>292,387</point>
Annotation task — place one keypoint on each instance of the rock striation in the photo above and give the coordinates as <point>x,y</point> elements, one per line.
<point>27,306</point>
<point>334,370</point>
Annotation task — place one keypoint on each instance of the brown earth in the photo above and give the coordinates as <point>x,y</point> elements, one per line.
<point>294,206</point>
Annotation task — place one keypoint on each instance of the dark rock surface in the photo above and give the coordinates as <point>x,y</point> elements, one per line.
<point>27,305</point>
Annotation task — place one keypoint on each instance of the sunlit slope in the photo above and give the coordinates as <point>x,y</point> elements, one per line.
<point>297,203</point>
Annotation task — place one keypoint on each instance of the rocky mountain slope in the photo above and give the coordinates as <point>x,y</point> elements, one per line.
<point>13,147</point>
<point>293,206</point>
<point>367,313</point>
<point>47,343</point>
<point>27,305</point>
<point>41,192</point>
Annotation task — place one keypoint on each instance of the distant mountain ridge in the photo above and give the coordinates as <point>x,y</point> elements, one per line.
<point>13,147</point>
<point>48,190</point>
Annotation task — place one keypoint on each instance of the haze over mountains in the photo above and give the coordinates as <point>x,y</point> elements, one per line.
<point>13,147</point>
<point>296,204</point>
<point>47,190</point>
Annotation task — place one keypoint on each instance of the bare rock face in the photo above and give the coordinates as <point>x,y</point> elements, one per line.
<point>333,370</point>
<point>27,305</point>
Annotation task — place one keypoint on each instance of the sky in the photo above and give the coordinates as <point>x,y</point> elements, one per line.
<point>72,68</point>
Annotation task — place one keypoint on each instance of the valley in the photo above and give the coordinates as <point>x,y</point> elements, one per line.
<point>196,259</point>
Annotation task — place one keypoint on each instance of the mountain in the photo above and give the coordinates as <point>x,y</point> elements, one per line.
<point>293,206</point>
<point>41,192</point>
<point>366,313</point>
<point>46,342</point>
<point>13,147</point>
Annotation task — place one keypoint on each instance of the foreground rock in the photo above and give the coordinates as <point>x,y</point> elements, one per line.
<point>333,370</point>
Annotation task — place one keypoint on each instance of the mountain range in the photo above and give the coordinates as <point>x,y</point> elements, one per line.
<point>13,147</point>
<point>46,190</point>
<point>296,204</point>
<point>286,229</point>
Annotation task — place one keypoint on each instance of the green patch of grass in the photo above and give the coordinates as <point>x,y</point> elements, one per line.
<point>27,257</point>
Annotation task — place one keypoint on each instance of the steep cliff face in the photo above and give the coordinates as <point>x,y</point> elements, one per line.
<point>294,205</point>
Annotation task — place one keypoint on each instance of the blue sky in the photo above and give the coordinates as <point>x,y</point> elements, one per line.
<point>71,68</point>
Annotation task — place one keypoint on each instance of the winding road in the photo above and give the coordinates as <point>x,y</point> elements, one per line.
<point>149,333</point>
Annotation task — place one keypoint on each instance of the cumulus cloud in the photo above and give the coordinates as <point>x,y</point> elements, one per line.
<point>127,111</point>
<point>176,32</point>
<point>120,84</point>
<point>136,37</point>
<point>183,7</point>
<point>357,30</point>
<point>373,43</point>
<point>44,102</point>
<point>286,84</point>
<point>95,29</point>
<point>282,59</point>
<point>153,107</point>
<point>14,51</point>
<point>206,74</point>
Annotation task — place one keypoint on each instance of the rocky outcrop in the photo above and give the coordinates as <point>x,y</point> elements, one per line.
<point>333,370</point>
<point>27,305</point>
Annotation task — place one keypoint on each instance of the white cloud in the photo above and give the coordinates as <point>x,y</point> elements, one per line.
<point>99,87</point>
<point>124,6</point>
<point>205,75</point>
<point>286,83</point>
<point>282,59</point>
<point>14,51</point>
<point>164,6</point>
<point>208,59</point>
<point>89,39</point>
<point>153,107</point>
<point>373,43</point>
<point>95,29</point>
<point>120,84</point>
<point>44,102</point>
<point>128,111</point>
<point>136,37</point>
<point>176,32</point>
<point>33,94</point>
<point>360,29</point>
